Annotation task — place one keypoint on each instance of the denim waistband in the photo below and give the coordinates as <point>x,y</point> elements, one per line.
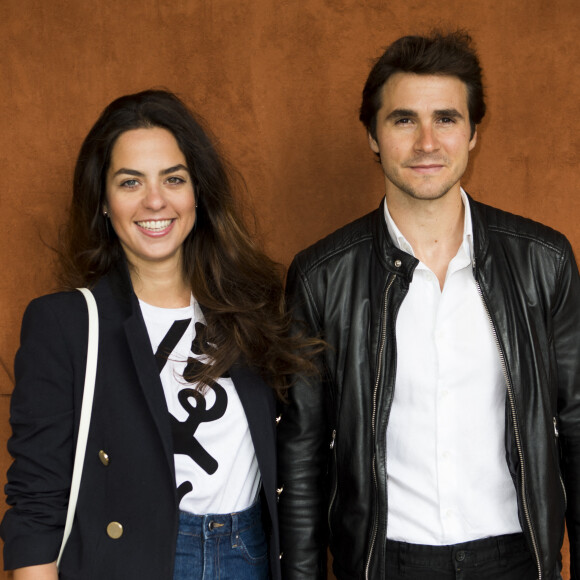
<point>467,552</point>
<point>210,525</point>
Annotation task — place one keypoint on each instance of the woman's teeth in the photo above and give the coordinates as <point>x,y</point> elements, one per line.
<point>154,225</point>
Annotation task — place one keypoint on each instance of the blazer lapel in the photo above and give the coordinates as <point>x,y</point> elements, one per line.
<point>143,357</point>
<point>148,375</point>
<point>258,402</point>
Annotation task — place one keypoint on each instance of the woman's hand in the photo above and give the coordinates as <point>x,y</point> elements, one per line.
<point>42,572</point>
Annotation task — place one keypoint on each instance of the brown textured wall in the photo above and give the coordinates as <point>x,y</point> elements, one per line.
<point>279,83</point>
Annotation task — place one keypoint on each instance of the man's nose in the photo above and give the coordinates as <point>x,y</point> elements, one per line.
<point>426,139</point>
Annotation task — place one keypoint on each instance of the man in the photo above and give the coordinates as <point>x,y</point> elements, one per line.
<point>442,437</point>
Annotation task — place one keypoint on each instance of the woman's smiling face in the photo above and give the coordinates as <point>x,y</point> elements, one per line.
<point>150,197</point>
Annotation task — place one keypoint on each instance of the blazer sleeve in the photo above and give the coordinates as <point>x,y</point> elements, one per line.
<point>43,423</point>
<point>303,455</point>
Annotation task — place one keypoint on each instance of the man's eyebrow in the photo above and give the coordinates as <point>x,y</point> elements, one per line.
<point>408,113</point>
<point>400,113</point>
<point>453,113</point>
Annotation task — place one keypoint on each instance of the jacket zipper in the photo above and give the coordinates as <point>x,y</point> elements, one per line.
<point>516,434</point>
<point>557,434</point>
<point>374,418</point>
<point>333,495</point>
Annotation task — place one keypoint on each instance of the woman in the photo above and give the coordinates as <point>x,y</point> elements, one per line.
<point>192,348</point>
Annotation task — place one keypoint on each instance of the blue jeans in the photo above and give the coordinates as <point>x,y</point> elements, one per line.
<point>222,546</point>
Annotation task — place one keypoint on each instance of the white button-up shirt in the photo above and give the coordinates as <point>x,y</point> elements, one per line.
<point>448,480</point>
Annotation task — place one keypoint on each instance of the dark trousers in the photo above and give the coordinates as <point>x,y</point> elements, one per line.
<point>497,558</point>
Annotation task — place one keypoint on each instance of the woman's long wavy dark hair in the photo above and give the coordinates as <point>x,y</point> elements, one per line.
<point>237,285</point>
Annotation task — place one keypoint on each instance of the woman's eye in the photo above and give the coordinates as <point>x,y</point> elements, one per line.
<point>174,180</point>
<point>130,183</point>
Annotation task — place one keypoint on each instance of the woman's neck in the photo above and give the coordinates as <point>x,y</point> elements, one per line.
<point>160,285</point>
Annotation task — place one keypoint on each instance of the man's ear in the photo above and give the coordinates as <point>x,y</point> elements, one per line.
<point>372,143</point>
<point>473,140</point>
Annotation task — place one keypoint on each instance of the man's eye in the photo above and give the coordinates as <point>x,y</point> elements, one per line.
<point>403,121</point>
<point>446,120</point>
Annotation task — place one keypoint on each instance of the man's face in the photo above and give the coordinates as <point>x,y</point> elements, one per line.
<point>423,135</point>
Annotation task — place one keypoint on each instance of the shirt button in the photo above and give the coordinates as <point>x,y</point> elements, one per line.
<point>460,556</point>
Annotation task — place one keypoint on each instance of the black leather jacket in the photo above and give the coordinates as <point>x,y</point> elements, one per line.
<point>348,288</point>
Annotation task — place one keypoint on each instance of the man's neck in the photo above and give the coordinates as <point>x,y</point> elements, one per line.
<point>434,228</point>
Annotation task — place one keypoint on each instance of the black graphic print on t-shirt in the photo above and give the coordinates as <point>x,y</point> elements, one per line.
<point>192,401</point>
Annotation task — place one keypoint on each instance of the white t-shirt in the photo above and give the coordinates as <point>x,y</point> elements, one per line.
<point>215,463</point>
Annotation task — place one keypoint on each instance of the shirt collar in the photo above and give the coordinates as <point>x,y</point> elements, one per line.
<point>401,242</point>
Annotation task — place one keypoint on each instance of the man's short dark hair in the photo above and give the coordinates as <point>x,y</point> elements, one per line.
<point>438,54</point>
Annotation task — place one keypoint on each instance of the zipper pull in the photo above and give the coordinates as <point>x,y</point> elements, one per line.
<point>556,427</point>
<point>333,438</point>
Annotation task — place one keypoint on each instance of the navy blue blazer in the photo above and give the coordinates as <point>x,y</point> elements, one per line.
<point>130,423</point>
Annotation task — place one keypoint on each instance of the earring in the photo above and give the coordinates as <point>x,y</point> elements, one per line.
<point>105,213</point>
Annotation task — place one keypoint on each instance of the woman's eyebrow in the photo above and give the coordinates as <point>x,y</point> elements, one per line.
<point>135,173</point>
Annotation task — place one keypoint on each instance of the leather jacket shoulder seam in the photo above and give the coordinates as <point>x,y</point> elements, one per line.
<point>525,236</point>
<point>305,283</point>
<point>334,252</point>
